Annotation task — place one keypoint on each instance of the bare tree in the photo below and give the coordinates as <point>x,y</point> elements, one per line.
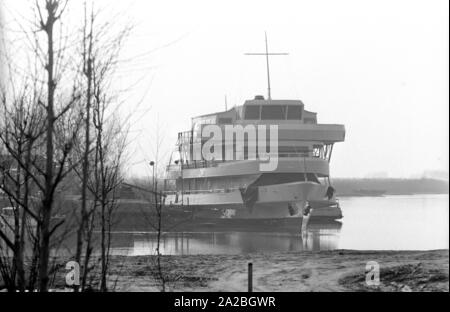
<point>17,137</point>
<point>38,158</point>
<point>103,149</point>
<point>53,174</point>
<point>49,130</point>
<point>159,271</point>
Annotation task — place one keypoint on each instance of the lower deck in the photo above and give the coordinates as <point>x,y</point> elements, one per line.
<point>260,201</point>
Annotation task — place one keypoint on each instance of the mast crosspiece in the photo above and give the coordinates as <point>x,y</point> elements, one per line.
<point>266,54</point>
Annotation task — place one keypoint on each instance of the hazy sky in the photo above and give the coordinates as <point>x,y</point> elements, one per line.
<point>378,67</point>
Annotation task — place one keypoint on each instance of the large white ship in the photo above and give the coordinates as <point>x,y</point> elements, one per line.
<point>236,187</point>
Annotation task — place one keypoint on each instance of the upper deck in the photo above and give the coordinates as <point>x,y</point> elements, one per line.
<point>298,133</point>
<point>259,111</point>
<point>293,121</point>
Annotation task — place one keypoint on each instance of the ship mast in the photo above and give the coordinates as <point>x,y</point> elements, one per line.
<point>267,64</point>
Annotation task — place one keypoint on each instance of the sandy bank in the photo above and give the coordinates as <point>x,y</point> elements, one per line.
<point>340,270</point>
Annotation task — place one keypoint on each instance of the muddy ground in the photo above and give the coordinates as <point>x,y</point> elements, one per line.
<point>339,270</point>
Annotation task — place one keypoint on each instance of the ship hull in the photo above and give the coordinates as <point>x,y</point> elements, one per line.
<point>271,201</point>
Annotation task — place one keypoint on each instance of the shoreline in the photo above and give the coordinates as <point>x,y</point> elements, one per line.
<point>337,270</point>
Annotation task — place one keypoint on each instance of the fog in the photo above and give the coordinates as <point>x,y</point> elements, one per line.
<point>380,68</point>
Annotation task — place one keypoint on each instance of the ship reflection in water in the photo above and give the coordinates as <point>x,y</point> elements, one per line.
<point>318,237</point>
<point>403,222</point>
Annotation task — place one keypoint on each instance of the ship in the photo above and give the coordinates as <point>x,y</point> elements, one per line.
<point>234,185</point>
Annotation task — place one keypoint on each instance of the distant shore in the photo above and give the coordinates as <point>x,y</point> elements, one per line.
<point>356,194</point>
<point>339,270</point>
<point>389,186</point>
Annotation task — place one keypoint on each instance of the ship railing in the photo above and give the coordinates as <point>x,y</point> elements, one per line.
<point>198,164</point>
<point>184,137</point>
<point>213,191</point>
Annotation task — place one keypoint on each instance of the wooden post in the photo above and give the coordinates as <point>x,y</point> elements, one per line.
<point>250,277</point>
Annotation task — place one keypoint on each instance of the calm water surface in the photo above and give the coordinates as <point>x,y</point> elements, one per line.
<point>417,222</point>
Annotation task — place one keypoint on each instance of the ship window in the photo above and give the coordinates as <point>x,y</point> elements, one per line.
<point>273,112</point>
<point>252,112</point>
<point>310,121</point>
<point>225,120</point>
<point>294,112</point>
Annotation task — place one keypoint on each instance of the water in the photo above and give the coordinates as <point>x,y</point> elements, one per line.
<point>417,222</point>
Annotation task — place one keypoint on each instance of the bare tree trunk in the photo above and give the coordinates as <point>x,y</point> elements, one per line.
<point>47,202</point>
<point>103,203</point>
<point>21,283</point>
<point>87,70</point>
<point>17,252</point>
<point>89,248</point>
<point>159,270</point>
<point>103,286</point>
<point>24,215</point>
<point>34,270</point>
